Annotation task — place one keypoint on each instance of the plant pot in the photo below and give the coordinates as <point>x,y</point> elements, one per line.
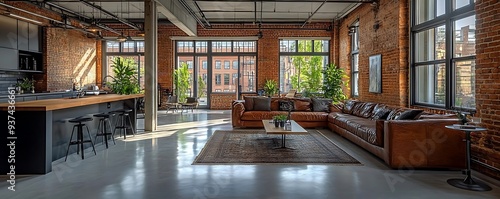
<point>282,123</point>
<point>276,123</point>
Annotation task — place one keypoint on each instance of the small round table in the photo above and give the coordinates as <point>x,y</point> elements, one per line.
<point>468,183</point>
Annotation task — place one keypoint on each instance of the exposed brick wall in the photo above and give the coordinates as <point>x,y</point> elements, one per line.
<point>69,55</point>
<point>486,145</point>
<point>221,101</point>
<point>390,40</point>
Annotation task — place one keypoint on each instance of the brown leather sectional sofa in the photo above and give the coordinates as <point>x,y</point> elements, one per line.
<point>404,138</point>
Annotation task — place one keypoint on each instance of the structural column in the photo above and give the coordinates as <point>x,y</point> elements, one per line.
<point>150,69</point>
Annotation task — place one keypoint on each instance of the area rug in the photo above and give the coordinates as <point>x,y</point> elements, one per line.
<point>255,147</point>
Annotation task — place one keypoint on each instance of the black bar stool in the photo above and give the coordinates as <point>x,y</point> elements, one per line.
<point>121,123</point>
<point>101,127</point>
<point>79,142</point>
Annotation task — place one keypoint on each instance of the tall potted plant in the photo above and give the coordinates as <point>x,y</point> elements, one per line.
<point>271,87</point>
<point>335,81</point>
<point>125,78</point>
<point>181,79</point>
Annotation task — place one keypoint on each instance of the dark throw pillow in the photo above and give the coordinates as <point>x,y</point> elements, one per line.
<point>394,114</point>
<point>348,106</point>
<point>284,105</point>
<point>380,112</point>
<point>410,114</point>
<point>248,103</point>
<point>262,104</point>
<point>321,104</point>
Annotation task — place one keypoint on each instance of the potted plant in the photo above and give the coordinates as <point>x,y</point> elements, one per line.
<point>335,81</point>
<point>25,85</point>
<point>279,120</point>
<point>125,78</point>
<point>270,87</point>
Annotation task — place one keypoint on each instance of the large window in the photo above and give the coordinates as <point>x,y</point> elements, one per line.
<point>130,50</point>
<point>354,32</point>
<point>220,66</point>
<point>443,64</point>
<point>301,65</point>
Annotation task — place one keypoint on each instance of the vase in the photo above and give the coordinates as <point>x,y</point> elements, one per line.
<point>282,123</point>
<point>276,123</point>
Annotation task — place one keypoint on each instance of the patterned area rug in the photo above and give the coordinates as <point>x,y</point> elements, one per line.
<point>255,147</point>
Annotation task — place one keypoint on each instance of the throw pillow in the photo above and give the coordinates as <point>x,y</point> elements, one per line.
<point>394,114</point>
<point>410,114</point>
<point>248,103</point>
<point>348,106</point>
<point>321,104</point>
<point>284,106</point>
<point>380,112</point>
<point>262,104</point>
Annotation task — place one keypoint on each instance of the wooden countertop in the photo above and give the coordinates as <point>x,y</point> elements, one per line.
<point>63,103</point>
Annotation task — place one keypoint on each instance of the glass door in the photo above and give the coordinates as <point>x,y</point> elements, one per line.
<point>248,74</point>
<point>201,81</point>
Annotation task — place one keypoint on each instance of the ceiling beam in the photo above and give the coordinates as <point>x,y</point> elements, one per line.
<point>300,1</point>
<point>124,21</point>
<point>310,16</point>
<point>175,11</point>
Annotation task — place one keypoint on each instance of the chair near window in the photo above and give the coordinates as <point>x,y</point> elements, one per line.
<point>191,104</point>
<point>291,93</point>
<point>173,103</point>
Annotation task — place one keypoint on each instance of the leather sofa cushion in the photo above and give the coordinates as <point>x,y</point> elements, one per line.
<point>262,104</point>
<point>369,130</point>
<point>309,116</point>
<point>348,106</point>
<point>260,115</point>
<point>275,104</point>
<point>410,114</point>
<point>302,104</point>
<point>380,112</point>
<point>395,113</point>
<point>321,104</point>
<point>363,109</point>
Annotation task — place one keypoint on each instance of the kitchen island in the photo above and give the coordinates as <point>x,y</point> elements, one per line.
<point>42,130</point>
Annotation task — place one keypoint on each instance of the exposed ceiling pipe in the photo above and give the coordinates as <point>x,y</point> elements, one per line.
<point>329,1</point>
<point>202,14</point>
<point>31,13</point>
<point>124,21</point>
<point>102,26</point>
<point>192,13</point>
<point>310,17</point>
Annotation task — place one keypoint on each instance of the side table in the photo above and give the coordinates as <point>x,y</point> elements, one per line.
<point>468,183</point>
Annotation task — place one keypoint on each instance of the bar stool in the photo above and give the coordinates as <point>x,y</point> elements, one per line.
<point>101,127</point>
<point>79,142</point>
<point>121,123</point>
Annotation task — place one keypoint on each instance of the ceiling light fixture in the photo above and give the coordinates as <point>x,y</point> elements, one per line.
<point>93,27</point>
<point>121,38</point>
<point>24,18</point>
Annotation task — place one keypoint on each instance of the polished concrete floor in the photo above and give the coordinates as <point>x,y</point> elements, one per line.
<point>158,165</point>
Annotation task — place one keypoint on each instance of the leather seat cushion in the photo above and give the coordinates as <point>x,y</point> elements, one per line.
<point>260,115</point>
<point>309,116</point>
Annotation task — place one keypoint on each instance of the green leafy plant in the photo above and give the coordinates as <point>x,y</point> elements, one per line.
<point>202,87</point>
<point>280,117</point>
<point>335,81</point>
<point>125,78</point>
<point>181,79</point>
<point>26,84</point>
<point>271,87</point>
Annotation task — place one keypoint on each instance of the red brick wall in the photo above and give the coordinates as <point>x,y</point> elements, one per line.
<point>221,101</point>
<point>486,145</point>
<point>69,55</point>
<point>390,40</point>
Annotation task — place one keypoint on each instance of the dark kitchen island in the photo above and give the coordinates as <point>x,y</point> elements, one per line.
<point>42,130</point>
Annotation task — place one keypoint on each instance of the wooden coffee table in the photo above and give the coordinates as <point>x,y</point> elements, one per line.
<point>271,129</point>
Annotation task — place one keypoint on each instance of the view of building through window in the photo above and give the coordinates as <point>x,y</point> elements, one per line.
<point>133,50</point>
<point>436,57</point>
<point>301,65</point>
